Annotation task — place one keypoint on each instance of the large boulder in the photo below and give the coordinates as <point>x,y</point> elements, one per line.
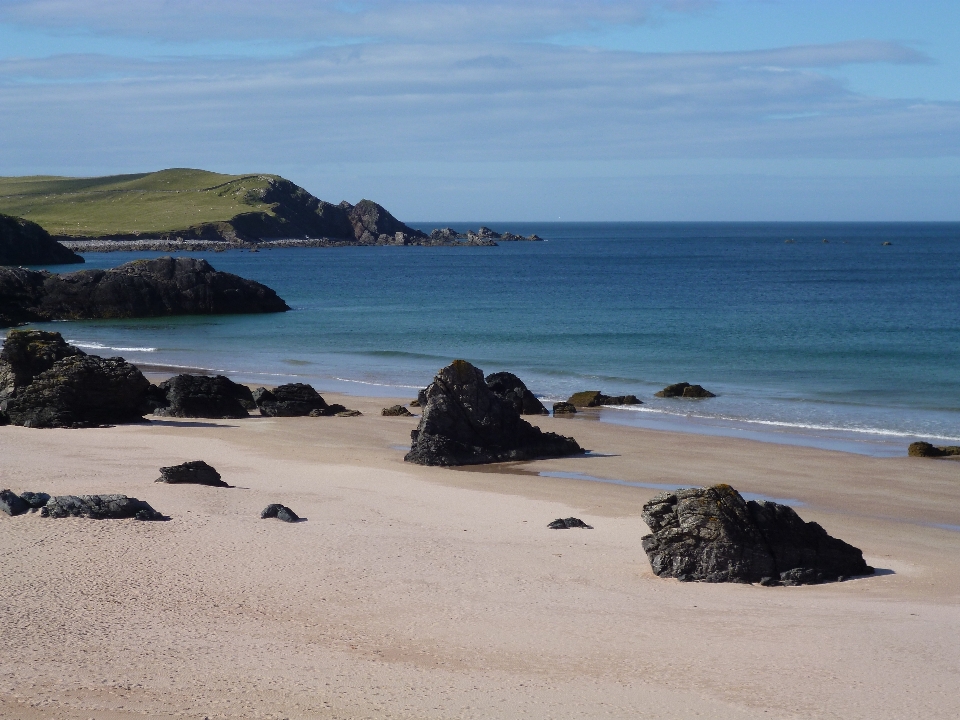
<point>595,398</point>
<point>509,387</point>
<point>684,390</point>
<point>25,243</point>
<point>142,288</point>
<point>26,354</point>
<point>99,507</point>
<point>12,504</point>
<point>80,391</point>
<point>194,472</point>
<point>202,396</point>
<point>714,535</point>
<point>464,422</point>
<point>292,400</point>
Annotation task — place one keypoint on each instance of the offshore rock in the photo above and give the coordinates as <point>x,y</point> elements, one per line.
<point>202,396</point>
<point>684,390</point>
<point>370,221</point>
<point>564,408</point>
<point>464,422</point>
<point>281,512</point>
<point>26,354</point>
<point>714,535</point>
<point>195,472</point>
<point>509,387</point>
<point>142,288</point>
<point>568,523</point>
<point>925,449</point>
<point>25,243</point>
<point>396,411</point>
<point>12,504</point>
<point>80,391</point>
<point>99,507</point>
<point>292,400</point>
<point>595,398</point>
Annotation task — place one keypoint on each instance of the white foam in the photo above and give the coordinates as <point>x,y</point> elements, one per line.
<point>99,346</point>
<point>365,382</point>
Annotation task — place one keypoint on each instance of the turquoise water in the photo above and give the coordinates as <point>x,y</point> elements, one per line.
<point>847,344</point>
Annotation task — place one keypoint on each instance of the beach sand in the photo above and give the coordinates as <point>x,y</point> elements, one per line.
<point>414,592</point>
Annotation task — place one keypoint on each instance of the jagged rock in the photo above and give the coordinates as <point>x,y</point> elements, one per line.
<point>281,512</point>
<point>202,396</point>
<point>446,234</point>
<point>567,523</point>
<point>714,535</point>
<point>293,400</point>
<point>142,288</point>
<point>684,390</point>
<point>509,387</point>
<point>595,398</point>
<point>372,220</point>
<point>26,354</point>
<point>195,472</point>
<point>35,500</point>
<point>80,391</point>
<point>396,411</point>
<point>12,504</point>
<point>25,243</point>
<point>99,507</point>
<point>464,423</point>
<point>925,449</point>
<point>564,408</point>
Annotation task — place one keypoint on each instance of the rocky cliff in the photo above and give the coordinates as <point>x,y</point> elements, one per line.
<point>25,243</point>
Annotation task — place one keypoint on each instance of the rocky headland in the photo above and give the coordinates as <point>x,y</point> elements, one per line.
<point>142,288</point>
<point>25,243</point>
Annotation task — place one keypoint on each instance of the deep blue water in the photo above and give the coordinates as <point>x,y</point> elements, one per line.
<point>834,343</point>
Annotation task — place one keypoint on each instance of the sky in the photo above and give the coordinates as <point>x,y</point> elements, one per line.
<point>527,110</point>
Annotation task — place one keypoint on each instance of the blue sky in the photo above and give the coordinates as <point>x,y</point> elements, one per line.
<point>525,110</point>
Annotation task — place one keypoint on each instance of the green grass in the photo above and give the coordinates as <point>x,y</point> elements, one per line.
<point>142,204</point>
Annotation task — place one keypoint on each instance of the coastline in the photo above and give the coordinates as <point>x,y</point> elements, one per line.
<point>426,592</point>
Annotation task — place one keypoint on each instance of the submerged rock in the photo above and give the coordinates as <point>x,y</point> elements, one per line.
<point>925,449</point>
<point>281,512</point>
<point>23,242</point>
<point>196,472</point>
<point>714,535</point>
<point>464,422</point>
<point>99,507</point>
<point>595,398</point>
<point>564,408</point>
<point>567,523</point>
<point>684,390</point>
<point>396,411</point>
<point>292,400</point>
<point>202,396</point>
<point>12,504</point>
<point>511,388</point>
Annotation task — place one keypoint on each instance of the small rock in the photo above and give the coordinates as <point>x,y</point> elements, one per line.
<point>414,403</point>
<point>12,504</point>
<point>396,411</point>
<point>195,472</point>
<point>595,398</point>
<point>99,507</point>
<point>684,390</point>
<point>564,408</point>
<point>349,413</point>
<point>281,512</point>
<point>887,243</point>
<point>570,522</point>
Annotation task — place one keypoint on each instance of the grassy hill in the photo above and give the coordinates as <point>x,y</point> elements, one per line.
<point>148,204</point>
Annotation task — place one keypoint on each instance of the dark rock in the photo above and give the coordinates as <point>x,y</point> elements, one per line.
<point>156,398</point>
<point>201,396</point>
<point>595,398</point>
<point>99,507</point>
<point>509,387</point>
<point>447,234</point>
<point>713,535</point>
<point>348,413</point>
<point>281,512</point>
<point>564,408</point>
<point>196,472</point>
<point>396,411</point>
<point>464,423</point>
<point>261,394</point>
<point>35,500</point>
<point>25,243</point>
<point>244,396</point>
<point>684,390</point>
<point>422,398</point>
<point>142,288</point>
<point>80,391</point>
<point>26,354</point>
<point>12,504</point>
<point>293,400</point>
<point>415,403</point>
<point>925,449</point>
<point>567,523</point>
<point>370,219</point>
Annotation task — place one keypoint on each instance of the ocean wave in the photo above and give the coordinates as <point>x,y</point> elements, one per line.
<point>90,345</point>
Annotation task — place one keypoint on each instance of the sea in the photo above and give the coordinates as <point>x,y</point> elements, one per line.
<point>844,336</point>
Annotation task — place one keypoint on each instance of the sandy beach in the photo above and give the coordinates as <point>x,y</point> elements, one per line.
<point>415,592</point>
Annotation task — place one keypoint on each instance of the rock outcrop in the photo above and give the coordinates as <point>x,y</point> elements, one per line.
<point>142,288</point>
<point>25,243</point>
<point>46,383</point>
<point>396,411</point>
<point>464,423</point>
<point>509,387</point>
<point>292,400</point>
<point>564,408</point>
<point>714,535</point>
<point>202,396</point>
<point>568,523</point>
<point>99,507</point>
<point>280,512</point>
<point>684,390</point>
<point>595,398</point>
<point>925,449</point>
<point>194,472</point>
